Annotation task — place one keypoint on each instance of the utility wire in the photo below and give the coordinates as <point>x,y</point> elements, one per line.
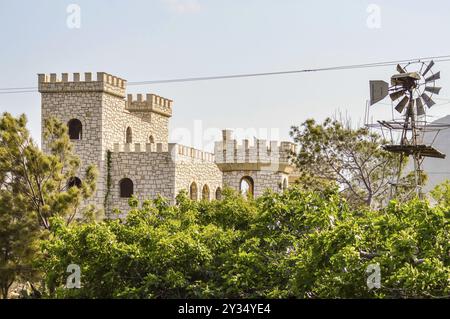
<point>442,58</point>
<point>337,68</point>
<point>23,91</point>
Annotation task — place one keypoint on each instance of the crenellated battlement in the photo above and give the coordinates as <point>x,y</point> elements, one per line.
<point>66,82</point>
<point>176,151</point>
<point>149,103</point>
<point>190,152</point>
<point>230,155</point>
<point>138,148</point>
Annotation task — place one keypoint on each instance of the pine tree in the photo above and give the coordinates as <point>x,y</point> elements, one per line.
<point>34,187</point>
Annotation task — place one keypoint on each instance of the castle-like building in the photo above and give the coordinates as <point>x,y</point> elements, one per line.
<point>127,139</point>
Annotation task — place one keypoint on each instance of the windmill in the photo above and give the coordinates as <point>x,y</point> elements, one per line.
<point>410,90</point>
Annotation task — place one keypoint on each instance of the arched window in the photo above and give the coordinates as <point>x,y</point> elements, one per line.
<point>218,193</point>
<point>74,182</point>
<point>285,184</point>
<point>193,191</point>
<point>205,192</point>
<point>247,186</point>
<point>151,139</point>
<point>126,188</point>
<point>129,136</point>
<point>75,129</point>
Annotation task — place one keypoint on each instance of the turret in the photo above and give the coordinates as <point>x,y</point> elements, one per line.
<point>261,155</point>
<point>151,103</point>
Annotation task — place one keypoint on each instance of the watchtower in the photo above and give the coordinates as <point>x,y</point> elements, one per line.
<point>99,114</point>
<point>254,168</point>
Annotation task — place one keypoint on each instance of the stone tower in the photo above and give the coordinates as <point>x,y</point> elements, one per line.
<point>99,116</point>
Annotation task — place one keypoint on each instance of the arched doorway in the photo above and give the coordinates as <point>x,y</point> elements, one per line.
<point>247,186</point>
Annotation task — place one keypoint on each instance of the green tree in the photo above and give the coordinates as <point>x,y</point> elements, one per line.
<point>37,180</point>
<point>33,189</point>
<point>19,233</point>
<point>441,193</point>
<point>351,158</point>
<point>157,251</point>
<point>295,244</point>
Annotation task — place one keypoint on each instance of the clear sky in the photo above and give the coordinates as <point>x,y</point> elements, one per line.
<point>164,39</point>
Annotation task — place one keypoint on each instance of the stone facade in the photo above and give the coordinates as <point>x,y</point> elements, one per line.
<point>134,131</point>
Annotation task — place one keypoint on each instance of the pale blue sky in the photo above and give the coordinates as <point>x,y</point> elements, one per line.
<point>163,39</point>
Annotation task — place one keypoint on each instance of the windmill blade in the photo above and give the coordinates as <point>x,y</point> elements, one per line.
<point>400,69</point>
<point>428,101</point>
<point>401,105</point>
<point>434,77</point>
<point>433,89</point>
<point>396,95</point>
<point>419,107</point>
<point>428,68</point>
<point>378,91</point>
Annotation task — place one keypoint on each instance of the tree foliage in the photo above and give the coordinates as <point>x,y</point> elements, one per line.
<point>33,189</point>
<point>297,244</point>
<point>353,159</point>
<point>38,181</point>
<point>306,242</point>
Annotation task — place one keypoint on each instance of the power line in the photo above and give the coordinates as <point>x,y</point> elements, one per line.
<point>22,91</point>
<point>442,58</point>
<point>336,68</point>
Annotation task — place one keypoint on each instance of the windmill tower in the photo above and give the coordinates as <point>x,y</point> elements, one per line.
<point>410,89</point>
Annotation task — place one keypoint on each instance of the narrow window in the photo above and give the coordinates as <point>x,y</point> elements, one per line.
<point>126,188</point>
<point>75,129</point>
<point>218,193</point>
<point>193,191</point>
<point>129,136</point>
<point>205,193</point>
<point>151,139</point>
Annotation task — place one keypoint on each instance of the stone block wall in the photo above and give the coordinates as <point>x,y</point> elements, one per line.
<point>161,169</point>
<point>194,166</point>
<point>85,107</point>
<point>144,119</point>
<point>263,180</point>
<point>152,172</point>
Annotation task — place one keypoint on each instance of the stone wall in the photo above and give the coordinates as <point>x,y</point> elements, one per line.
<point>262,180</point>
<point>118,114</point>
<point>152,174</point>
<point>160,169</point>
<point>86,108</point>
<point>196,166</point>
